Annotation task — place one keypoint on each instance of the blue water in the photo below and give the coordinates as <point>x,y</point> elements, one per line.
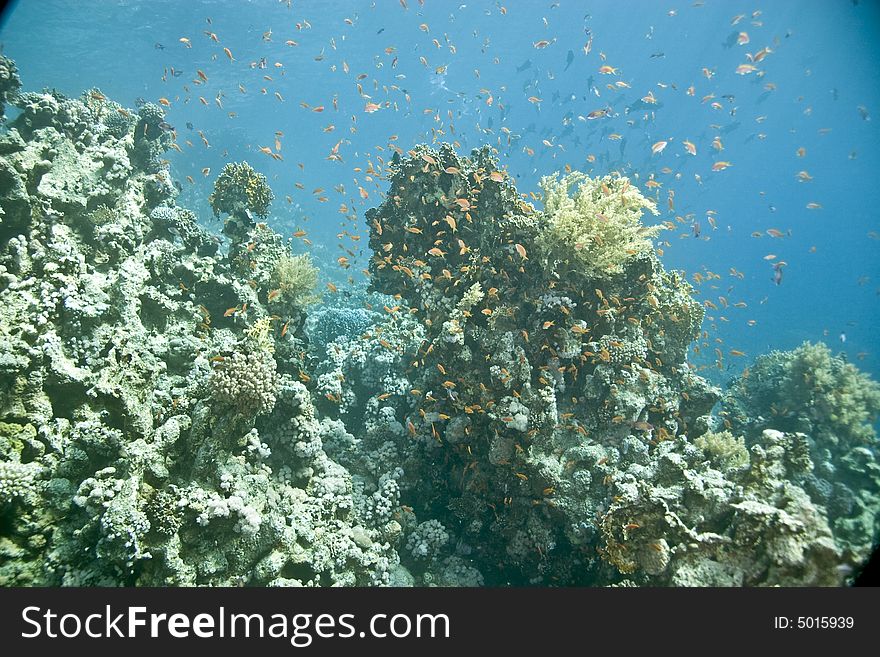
<point>816,91</point>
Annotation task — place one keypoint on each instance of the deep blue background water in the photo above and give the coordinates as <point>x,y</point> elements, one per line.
<point>820,72</point>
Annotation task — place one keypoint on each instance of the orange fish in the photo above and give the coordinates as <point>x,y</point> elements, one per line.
<point>658,147</point>
<point>720,166</point>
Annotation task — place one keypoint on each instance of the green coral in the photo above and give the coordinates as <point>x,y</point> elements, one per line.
<point>295,278</point>
<point>724,450</point>
<point>240,188</point>
<point>598,227</point>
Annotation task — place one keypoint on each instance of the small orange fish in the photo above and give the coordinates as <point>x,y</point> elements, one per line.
<point>689,147</point>
<point>229,54</point>
<point>658,147</point>
<point>521,250</point>
<point>720,166</point>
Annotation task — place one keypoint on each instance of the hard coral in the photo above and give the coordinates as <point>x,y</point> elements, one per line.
<point>246,381</point>
<point>810,390</point>
<point>534,347</point>
<point>239,189</point>
<point>9,82</point>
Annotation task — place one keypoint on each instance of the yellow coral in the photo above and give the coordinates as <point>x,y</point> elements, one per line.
<point>296,277</point>
<point>259,335</point>
<point>598,226</point>
<point>725,450</point>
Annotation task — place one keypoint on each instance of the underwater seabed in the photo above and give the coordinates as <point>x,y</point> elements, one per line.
<point>508,404</point>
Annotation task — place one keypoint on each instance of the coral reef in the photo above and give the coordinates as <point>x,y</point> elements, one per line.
<point>152,431</point>
<point>834,406</point>
<point>241,193</point>
<point>510,402</point>
<point>552,385</point>
<point>10,83</point>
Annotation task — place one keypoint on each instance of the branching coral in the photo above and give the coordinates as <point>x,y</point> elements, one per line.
<point>594,224</point>
<point>246,381</point>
